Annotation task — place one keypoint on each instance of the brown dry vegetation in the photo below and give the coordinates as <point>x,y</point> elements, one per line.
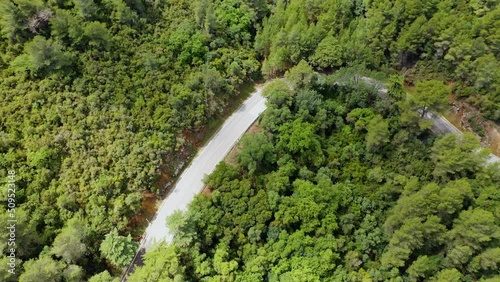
<point>468,119</point>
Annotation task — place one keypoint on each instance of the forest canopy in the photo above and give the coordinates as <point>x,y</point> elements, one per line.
<point>97,97</point>
<point>331,190</point>
<point>452,40</point>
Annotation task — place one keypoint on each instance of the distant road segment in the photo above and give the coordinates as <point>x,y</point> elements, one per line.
<point>440,125</point>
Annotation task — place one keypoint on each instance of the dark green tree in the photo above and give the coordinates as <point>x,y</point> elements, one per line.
<point>430,95</point>
<point>42,269</point>
<point>69,243</point>
<point>161,264</point>
<point>378,133</point>
<point>42,56</point>
<point>117,249</point>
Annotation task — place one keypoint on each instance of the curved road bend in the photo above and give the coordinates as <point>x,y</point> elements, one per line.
<point>190,181</point>
<point>440,125</point>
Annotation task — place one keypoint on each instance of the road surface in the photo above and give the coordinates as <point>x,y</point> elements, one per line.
<point>440,124</point>
<point>190,182</point>
<point>443,126</point>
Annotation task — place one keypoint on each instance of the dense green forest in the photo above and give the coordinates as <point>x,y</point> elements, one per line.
<point>447,39</point>
<point>98,96</point>
<point>94,96</point>
<point>333,189</point>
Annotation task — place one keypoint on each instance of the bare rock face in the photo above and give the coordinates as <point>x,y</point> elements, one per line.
<point>39,20</point>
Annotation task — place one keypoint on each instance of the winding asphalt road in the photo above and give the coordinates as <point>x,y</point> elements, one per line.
<point>440,125</point>
<point>190,182</point>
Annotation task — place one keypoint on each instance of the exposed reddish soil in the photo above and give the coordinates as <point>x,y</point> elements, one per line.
<point>254,128</point>
<point>148,209</point>
<point>177,161</point>
<point>164,178</point>
<point>468,119</point>
<point>207,191</point>
<point>494,134</point>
